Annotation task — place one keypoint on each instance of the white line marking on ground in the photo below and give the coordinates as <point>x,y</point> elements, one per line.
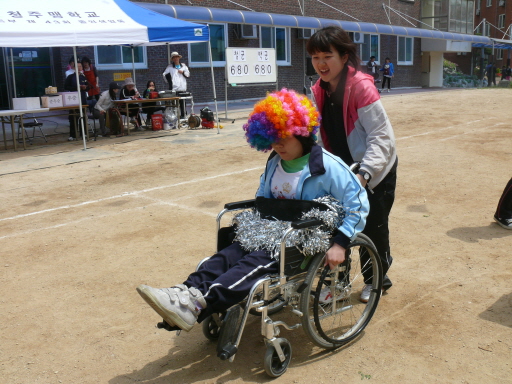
<point>438,130</point>
<point>72,222</point>
<point>163,202</point>
<point>129,194</point>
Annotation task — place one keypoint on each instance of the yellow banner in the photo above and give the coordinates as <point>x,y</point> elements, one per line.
<point>121,76</point>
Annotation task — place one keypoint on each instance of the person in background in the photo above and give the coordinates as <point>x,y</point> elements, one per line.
<point>71,86</point>
<point>176,75</point>
<point>371,67</point>
<point>104,104</point>
<point>298,168</point>
<point>356,128</point>
<point>91,75</point>
<point>71,67</point>
<point>503,215</point>
<point>150,108</point>
<point>388,72</point>
<point>130,92</point>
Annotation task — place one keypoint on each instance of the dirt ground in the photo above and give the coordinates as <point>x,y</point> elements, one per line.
<point>79,230</point>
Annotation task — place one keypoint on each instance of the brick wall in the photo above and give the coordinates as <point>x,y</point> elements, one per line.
<point>292,76</point>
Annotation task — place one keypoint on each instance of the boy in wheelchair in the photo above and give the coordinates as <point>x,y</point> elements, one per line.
<point>297,168</point>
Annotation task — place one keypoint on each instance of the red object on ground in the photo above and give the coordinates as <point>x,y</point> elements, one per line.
<point>157,122</point>
<point>207,124</point>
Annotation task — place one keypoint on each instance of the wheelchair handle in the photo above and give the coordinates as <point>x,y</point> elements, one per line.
<point>301,224</point>
<point>240,204</point>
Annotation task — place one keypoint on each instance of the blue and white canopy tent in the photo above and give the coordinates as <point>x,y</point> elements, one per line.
<point>64,23</point>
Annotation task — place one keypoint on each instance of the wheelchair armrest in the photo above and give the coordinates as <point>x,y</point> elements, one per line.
<point>301,224</point>
<point>240,204</point>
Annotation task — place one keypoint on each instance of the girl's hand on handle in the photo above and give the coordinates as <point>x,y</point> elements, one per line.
<point>335,256</point>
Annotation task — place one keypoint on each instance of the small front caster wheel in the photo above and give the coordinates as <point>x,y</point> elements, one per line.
<point>272,363</point>
<point>211,329</point>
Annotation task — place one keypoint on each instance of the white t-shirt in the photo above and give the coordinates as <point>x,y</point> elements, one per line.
<point>284,185</point>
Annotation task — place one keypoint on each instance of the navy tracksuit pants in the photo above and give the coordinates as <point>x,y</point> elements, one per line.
<point>504,209</point>
<point>228,276</point>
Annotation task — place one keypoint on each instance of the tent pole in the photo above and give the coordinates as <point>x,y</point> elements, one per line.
<point>81,120</point>
<point>213,84</point>
<point>13,76</point>
<point>133,68</point>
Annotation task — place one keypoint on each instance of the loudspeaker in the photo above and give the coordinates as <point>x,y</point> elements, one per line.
<point>310,70</point>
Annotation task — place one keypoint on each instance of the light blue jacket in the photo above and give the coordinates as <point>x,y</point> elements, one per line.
<point>326,174</point>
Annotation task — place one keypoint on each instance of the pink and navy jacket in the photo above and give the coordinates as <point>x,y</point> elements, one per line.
<point>370,136</point>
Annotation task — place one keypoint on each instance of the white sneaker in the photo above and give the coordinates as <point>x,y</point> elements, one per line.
<point>71,138</point>
<point>326,295</point>
<point>365,293</point>
<point>388,90</point>
<point>178,305</point>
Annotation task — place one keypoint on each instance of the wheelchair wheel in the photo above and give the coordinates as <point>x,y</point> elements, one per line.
<point>272,363</point>
<point>332,324</point>
<point>211,328</point>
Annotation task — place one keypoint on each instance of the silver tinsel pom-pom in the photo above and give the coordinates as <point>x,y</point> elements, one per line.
<point>255,233</point>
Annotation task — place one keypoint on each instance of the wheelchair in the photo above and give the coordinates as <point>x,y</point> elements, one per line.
<point>297,287</point>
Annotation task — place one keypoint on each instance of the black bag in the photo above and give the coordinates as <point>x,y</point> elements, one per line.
<point>285,209</point>
<point>207,114</point>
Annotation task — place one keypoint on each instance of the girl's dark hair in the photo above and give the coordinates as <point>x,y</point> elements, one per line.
<point>149,82</point>
<point>85,59</point>
<point>307,143</point>
<point>336,37</point>
<point>111,88</point>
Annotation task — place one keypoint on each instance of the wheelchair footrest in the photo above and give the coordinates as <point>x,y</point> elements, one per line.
<point>164,325</point>
<point>227,351</point>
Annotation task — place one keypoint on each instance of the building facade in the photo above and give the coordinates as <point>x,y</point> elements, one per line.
<point>417,61</point>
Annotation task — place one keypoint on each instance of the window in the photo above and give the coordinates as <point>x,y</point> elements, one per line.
<point>405,50</point>
<point>489,3</point>
<point>501,21</point>
<point>487,29</point>
<point>278,38</point>
<point>117,57</point>
<point>370,48</point>
<point>198,52</point>
<point>499,54</point>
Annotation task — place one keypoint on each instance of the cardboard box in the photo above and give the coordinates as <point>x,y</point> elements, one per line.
<point>26,103</point>
<point>70,98</point>
<point>51,101</point>
<point>50,90</point>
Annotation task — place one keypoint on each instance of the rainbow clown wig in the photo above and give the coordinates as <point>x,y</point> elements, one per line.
<point>278,116</point>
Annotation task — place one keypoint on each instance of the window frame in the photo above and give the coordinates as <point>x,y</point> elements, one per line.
<point>122,66</point>
<point>288,44</point>
<point>215,63</point>
<point>501,21</point>
<point>499,54</point>
<point>377,61</point>
<point>406,62</point>
<point>489,3</point>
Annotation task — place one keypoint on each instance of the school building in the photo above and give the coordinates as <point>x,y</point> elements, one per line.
<point>415,35</point>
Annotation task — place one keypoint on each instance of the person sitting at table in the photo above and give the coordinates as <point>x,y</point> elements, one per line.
<point>71,86</point>
<point>130,92</point>
<point>150,107</point>
<point>176,75</point>
<point>103,106</point>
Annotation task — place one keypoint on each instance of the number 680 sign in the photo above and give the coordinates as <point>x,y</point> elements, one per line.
<point>251,65</point>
